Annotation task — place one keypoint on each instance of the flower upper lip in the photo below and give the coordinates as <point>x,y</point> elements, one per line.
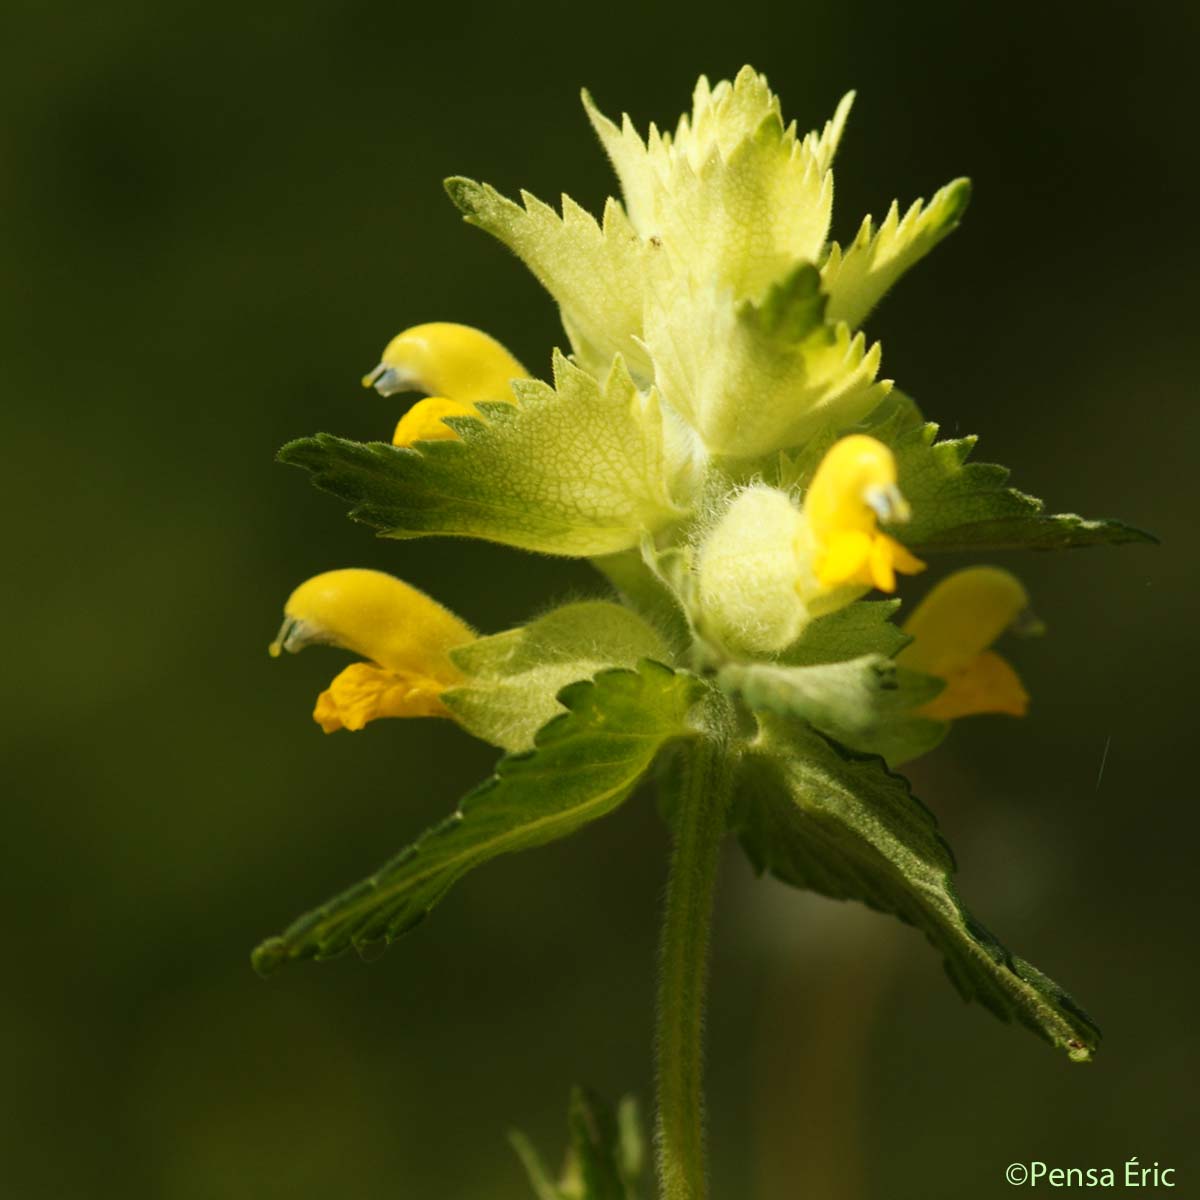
<point>368,380</point>
<point>387,381</point>
<point>888,503</point>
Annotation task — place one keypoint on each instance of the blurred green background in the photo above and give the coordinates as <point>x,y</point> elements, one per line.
<point>215,216</point>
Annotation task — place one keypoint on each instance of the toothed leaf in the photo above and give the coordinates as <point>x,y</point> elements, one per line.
<point>823,145</point>
<point>956,504</point>
<point>576,469</point>
<point>734,199</point>
<point>823,818</point>
<point>857,279</point>
<point>959,505</point>
<point>594,271</point>
<point>583,764</point>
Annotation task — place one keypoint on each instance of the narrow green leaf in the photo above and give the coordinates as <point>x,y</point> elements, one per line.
<point>513,678</point>
<point>596,1148</point>
<point>605,1153</point>
<point>577,469</point>
<point>821,817</point>
<point>631,1140</point>
<point>540,1179</point>
<point>583,765</point>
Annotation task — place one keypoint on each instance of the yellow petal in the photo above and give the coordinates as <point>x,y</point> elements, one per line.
<point>987,684</point>
<point>444,359</point>
<point>845,558</point>
<point>378,617</point>
<point>961,618</point>
<point>857,471</point>
<point>872,560</point>
<point>363,693</point>
<point>852,490</point>
<point>904,560</point>
<point>423,422</point>
<point>883,574</point>
<point>887,557</point>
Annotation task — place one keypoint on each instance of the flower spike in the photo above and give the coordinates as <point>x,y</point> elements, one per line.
<point>691,446</point>
<point>406,636</point>
<point>854,489</point>
<point>455,365</point>
<point>952,630</point>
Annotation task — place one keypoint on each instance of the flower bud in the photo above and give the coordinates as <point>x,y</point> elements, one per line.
<point>748,572</point>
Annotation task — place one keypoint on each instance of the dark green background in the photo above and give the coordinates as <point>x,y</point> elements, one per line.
<point>214,217</point>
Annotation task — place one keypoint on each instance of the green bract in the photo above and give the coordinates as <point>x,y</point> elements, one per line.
<point>715,355</point>
<point>581,468</point>
<point>583,763</point>
<point>515,677</point>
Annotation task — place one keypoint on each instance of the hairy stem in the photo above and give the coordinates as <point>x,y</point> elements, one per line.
<point>683,968</point>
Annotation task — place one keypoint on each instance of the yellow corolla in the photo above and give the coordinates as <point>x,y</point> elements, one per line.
<point>455,365</point>
<point>952,631</point>
<point>404,634</point>
<point>853,489</point>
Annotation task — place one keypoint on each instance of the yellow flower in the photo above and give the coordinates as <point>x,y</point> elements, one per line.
<point>952,630</point>
<point>406,636</point>
<point>853,489</point>
<point>455,365</point>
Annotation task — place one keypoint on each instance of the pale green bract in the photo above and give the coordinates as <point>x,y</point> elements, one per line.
<point>711,352</point>
<point>595,271</point>
<point>735,199</point>
<point>715,354</point>
<point>514,678</point>
<point>857,279</point>
<point>581,468</point>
